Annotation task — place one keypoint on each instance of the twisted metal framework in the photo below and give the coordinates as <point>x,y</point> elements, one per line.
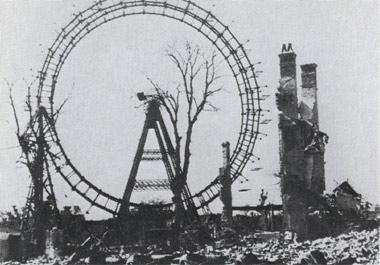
<point>182,11</point>
<point>33,144</point>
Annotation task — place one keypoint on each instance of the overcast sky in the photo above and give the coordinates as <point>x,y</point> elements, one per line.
<point>102,122</point>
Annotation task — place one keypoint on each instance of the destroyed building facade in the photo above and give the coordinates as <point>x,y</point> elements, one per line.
<point>301,143</point>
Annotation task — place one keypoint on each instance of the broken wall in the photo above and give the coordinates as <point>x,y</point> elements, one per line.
<point>292,169</point>
<point>301,144</point>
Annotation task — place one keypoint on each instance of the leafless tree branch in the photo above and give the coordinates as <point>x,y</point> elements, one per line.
<point>197,85</point>
<point>13,108</point>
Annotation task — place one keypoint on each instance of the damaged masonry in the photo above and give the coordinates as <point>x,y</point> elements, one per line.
<point>308,226</point>
<point>302,145</point>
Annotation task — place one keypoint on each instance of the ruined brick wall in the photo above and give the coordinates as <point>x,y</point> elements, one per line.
<point>292,169</point>
<point>301,144</point>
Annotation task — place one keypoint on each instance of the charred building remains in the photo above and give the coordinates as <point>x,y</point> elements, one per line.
<point>301,143</point>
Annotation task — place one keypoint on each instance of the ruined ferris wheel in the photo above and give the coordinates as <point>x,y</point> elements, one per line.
<point>48,154</point>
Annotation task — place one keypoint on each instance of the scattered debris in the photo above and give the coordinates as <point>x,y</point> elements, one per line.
<point>355,247</point>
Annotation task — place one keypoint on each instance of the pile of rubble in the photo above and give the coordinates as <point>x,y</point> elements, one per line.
<point>355,247</point>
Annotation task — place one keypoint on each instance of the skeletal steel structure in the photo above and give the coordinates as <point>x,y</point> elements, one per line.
<point>183,11</point>
<point>154,121</point>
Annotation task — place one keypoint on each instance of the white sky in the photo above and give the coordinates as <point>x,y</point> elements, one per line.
<point>101,126</point>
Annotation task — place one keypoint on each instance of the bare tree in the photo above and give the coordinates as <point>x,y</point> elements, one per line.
<point>191,96</point>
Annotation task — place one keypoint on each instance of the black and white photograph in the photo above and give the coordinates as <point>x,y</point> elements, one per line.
<point>186,132</point>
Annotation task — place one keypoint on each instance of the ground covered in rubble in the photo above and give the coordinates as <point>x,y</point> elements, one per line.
<point>355,247</point>
<point>352,248</point>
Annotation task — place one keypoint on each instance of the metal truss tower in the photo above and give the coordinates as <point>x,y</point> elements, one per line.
<point>154,121</point>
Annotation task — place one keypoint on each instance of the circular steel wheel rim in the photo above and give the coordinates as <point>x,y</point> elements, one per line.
<point>183,11</point>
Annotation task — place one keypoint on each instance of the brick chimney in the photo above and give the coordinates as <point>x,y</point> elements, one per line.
<point>292,168</point>
<point>315,163</point>
<point>287,100</point>
<point>309,104</point>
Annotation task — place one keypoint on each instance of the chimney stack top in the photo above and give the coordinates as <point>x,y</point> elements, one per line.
<point>288,49</point>
<point>308,68</point>
<point>287,54</point>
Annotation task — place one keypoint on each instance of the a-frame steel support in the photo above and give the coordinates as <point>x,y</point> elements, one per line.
<point>154,121</point>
